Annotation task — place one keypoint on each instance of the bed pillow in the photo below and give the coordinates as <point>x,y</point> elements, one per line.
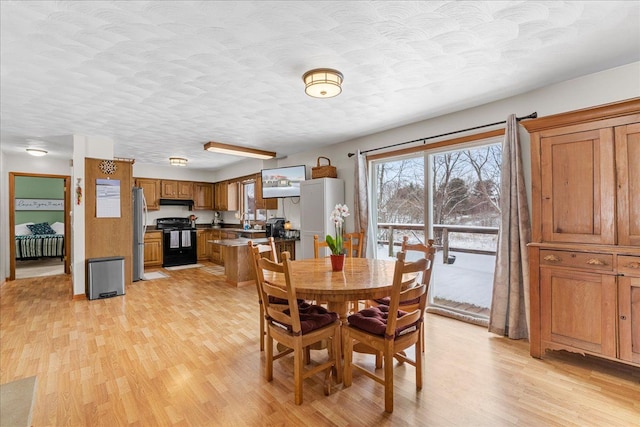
<point>23,230</point>
<point>41,228</point>
<point>58,227</point>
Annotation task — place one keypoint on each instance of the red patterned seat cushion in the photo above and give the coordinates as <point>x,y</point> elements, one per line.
<point>386,301</point>
<point>313,317</point>
<point>374,321</point>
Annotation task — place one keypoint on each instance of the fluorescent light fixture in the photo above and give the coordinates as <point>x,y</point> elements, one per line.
<point>38,152</point>
<point>177,161</point>
<point>323,83</point>
<point>234,150</point>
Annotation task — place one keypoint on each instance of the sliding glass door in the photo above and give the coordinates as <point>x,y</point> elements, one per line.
<point>456,202</point>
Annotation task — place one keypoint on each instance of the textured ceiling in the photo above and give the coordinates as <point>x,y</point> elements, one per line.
<point>161,78</point>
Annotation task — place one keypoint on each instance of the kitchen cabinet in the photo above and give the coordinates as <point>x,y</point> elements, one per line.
<point>286,246</point>
<point>584,259</point>
<point>203,247</point>
<point>171,189</point>
<point>153,248</point>
<point>259,201</point>
<point>215,254</point>
<point>151,189</point>
<point>202,195</point>
<point>226,196</point>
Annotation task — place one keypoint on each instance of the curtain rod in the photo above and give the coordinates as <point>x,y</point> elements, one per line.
<point>424,140</point>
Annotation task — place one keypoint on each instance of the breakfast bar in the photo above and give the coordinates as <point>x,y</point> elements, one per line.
<point>237,261</point>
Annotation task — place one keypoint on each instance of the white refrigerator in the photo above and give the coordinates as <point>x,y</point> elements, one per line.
<point>318,197</point>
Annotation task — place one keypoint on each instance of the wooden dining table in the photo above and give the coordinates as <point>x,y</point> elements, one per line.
<point>361,279</point>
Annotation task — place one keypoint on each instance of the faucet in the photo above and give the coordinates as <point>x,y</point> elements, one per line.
<point>244,221</point>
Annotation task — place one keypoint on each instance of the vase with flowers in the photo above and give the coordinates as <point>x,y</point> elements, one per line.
<point>336,244</point>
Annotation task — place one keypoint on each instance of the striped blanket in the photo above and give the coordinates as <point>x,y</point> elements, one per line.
<point>38,246</point>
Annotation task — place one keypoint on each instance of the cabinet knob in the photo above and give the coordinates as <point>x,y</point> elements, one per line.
<point>623,317</point>
<point>596,261</point>
<point>552,258</point>
<point>633,264</point>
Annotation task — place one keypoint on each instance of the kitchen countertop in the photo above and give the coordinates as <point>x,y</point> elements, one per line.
<point>241,241</point>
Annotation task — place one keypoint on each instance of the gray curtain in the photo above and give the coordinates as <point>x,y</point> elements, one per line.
<point>510,300</point>
<point>361,208</point>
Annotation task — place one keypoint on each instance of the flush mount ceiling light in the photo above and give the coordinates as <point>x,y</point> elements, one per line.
<point>38,152</point>
<point>177,161</point>
<point>323,82</point>
<point>234,150</point>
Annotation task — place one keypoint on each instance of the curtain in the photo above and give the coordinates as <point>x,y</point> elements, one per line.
<point>510,299</point>
<point>361,208</point>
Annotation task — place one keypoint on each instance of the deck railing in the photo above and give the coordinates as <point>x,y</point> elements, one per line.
<point>442,230</point>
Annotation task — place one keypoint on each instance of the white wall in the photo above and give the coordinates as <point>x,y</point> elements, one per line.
<point>596,89</point>
<point>601,88</point>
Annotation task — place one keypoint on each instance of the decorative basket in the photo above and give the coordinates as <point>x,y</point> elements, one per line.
<point>324,171</point>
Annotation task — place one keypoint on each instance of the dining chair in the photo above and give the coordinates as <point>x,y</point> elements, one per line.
<point>428,251</point>
<point>264,250</point>
<point>297,328</point>
<point>317,244</point>
<point>356,240</point>
<point>388,331</point>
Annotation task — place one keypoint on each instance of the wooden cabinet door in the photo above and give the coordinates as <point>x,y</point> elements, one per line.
<point>184,189</point>
<point>578,187</point>
<point>220,196</point>
<point>286,246</point>
<point>628,180</point>
<point>202,195</point>
<point>202,245</point>
<point>629,308</point>
<point>578,310</point>
<point>151,189</point>
<point>260,202</point>
<point>169,189</point>
<point>233,189</point>
<point>152,249</point>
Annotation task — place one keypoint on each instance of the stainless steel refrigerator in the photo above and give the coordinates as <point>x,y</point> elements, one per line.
<point>139,228</point>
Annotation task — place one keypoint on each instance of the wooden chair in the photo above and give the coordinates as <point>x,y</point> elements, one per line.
<point>356,239</point>
<point>263,250</point>
<point>389,336</point>
<point>297,328</point>
<point>429,252</point>
<point>317,244</point>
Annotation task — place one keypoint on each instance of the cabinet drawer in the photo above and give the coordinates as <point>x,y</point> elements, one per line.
<point>588,261</point>
<point>629,265</point>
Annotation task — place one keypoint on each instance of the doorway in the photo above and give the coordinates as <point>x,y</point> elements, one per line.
<point>37,249</point>
<point>451,195</point>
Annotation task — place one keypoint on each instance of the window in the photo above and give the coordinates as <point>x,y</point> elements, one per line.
<point>249,203</point>
<point>457,204</point>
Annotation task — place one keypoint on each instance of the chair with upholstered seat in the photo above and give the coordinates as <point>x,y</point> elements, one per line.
<point>267,250</point>
<point>297,327</point>
<point>387,330</point>
<point>427,251</point>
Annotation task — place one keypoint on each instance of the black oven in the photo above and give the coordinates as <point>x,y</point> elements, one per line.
<point>179,244</point>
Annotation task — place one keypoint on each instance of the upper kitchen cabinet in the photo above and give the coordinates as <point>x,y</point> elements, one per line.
<point>628,180</point>
<point>202,195</point>
<point>176,189</point>
<point>151,189</point>
<point>226,196</point>
<point>260,202</point>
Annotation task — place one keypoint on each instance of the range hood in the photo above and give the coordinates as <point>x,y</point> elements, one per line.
<point>176,202</point>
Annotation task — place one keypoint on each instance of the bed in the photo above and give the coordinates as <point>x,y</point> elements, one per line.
<point>30,245</point>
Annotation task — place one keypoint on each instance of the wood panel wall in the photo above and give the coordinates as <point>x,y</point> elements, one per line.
<point>107,237</point>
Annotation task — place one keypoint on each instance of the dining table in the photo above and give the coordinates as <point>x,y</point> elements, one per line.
<point>360,279</point>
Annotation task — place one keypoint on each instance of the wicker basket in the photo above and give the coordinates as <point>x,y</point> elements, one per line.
<point>324,171</point>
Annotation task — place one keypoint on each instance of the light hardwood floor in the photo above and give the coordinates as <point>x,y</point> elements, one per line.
<point>184,351</point>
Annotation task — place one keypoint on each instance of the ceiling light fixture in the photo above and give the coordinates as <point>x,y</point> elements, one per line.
<point>323,82</point>
<point>177,161</point>
<point>234,150</point>
<point>38,152</point>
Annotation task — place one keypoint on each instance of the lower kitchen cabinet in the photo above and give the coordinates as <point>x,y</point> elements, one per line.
<point>203,247</point>
<point>286,246</point>
<point>629,308</point>
<point>153,248</point>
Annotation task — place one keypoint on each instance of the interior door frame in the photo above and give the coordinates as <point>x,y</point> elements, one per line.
<point>12,225</point>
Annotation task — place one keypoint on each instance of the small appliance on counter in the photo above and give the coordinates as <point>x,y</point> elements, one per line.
<point>275,227</point>
<point>216,220</point>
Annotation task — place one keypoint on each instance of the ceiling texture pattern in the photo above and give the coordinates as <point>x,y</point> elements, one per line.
<point>162,78</point>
